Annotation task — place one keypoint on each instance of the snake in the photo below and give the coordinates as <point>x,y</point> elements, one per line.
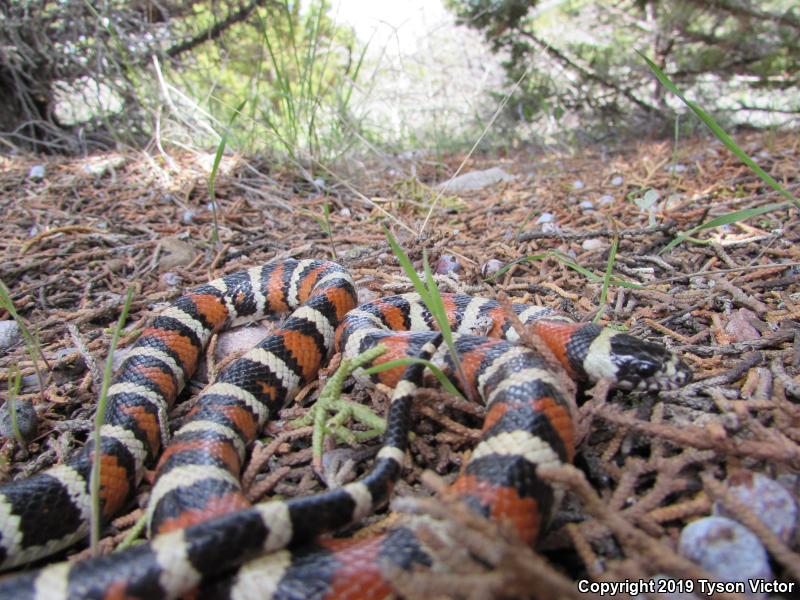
<point>207,540</point>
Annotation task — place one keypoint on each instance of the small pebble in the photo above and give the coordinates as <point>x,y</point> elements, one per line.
<point>549,227</point>
<point>30,382</point>
<point>36,172</point>
<point>767,498</point>
<point>10,334</point>
<point>592,244</point>
<point>319,182</point>
<point>187,218</point>
<point>606,199</point>
<point>546,218</point>
<point>27,420</point>
<point>586,205</point>
<point>726,549</point>
<point>475,180</point>
<point>169,280</point>
<point>239,339</point>
<point>366,295</point>
<point>175,253</point>
<point>617,180</point>
<point>98,167</point>
<point>740,325</point>
<point>119,356</point>
<point>577,185</point>
<point>447,265</point>
<point>676,168</point>
<point>490,267</point>
<point>345,212</point>
<point>63,353</point>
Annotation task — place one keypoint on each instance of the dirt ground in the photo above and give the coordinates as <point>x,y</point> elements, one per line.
<point>727,301</point>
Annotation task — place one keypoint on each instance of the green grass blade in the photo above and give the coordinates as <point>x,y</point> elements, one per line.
<point>433,301</point>
<point>14,382</point>
<point>403,362</point>
<point>567,262</point>
<point>215,167</point>
<point>612,258</point>
<point>405,262</point>
<point>727,219</point>
<point>99,420</point>
<point>436,305</point>
<point>31,342</point>
<point>718,131</point>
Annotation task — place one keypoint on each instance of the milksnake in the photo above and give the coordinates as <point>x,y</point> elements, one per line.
<point>208,541</point>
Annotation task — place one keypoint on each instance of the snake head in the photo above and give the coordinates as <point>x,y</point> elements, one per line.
<point>643,365</point>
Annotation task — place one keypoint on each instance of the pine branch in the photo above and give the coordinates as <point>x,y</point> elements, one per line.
<point>586,73</point>
<point>217,29</point>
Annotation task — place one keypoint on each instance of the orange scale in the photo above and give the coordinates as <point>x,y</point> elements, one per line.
<point>359,577</point>
<point>504,505</point>
<point>211,309</point>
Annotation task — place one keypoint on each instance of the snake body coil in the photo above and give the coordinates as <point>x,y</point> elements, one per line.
<point>207,536</point>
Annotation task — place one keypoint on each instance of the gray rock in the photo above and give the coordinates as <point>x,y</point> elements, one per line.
<point>475,180</point>
<point>726,549</point>
<point>97,167</point>
<point>448,265</point>
<point>767,498</point>
<point>10,334</point>
<point>27,420</point>
<point>491,266</point>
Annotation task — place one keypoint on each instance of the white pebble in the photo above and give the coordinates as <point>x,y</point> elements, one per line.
<point>36,172</point>
<point>592,244</point>
<point>549,227</point>
<point>617,180</point>
<point>187,218</point>
<point>546,218</point>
